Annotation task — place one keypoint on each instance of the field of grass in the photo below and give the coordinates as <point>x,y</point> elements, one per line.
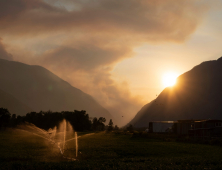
<point>22,150</point>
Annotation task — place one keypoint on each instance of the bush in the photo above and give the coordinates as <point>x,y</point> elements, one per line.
<point>130,128</point>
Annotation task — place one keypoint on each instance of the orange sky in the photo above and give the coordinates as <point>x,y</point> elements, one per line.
<point>116,51</point>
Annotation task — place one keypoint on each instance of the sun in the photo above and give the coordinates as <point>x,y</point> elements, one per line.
<point>169,79</point>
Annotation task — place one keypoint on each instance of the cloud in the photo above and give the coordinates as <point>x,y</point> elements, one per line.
<point>3,53</point>
<point>85,56</point>
<point>159,20</point>
<point>88,67</point>
<point>115,97</point>
<point>12,9</point>
<point>83,40</point>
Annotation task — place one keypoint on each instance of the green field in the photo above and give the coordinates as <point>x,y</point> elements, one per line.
<point>22,150</point>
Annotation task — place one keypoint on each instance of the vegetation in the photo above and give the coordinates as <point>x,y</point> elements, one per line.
<point>117,149</point>
<point>110,125</point>
<point>4,117</point>
<point>79,120</point>
<point>20,150</point>
<point>116,128</point>
<point>130,128</point>
<point>98,124</point>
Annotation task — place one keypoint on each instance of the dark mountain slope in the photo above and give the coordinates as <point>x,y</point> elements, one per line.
<point>12,104</point>
<point>136,120</point>
<point>197,95</point>
<point>40,89</point>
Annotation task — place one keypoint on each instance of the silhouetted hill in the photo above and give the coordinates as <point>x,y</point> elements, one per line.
<point>40,89</point>
<point>197,95</point>
<point>12,104</point>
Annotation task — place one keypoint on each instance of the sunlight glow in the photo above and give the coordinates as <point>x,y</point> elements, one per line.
<point>169,79</point>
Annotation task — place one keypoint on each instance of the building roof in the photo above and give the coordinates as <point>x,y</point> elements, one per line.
<point>163,122</point>
<point>209,120</point>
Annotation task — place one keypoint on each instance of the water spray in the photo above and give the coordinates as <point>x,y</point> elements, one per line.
<point>57,136</point>
<point>64,140</point>
<point>76,144</point>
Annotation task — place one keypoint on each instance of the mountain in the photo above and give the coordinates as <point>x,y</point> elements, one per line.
<point>12,104</point>
<point>197,95</point>
<point>39,89</point>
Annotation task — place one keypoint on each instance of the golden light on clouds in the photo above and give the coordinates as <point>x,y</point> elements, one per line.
<point>169,79</point>
<point>84,41</point>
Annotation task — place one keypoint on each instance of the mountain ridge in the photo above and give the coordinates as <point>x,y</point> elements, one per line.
<point>197,95</point>
<point>40,89</point>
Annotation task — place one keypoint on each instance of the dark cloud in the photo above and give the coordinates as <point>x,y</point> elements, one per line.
<point>148,20</point>
<point>85,57</point>
<point>12,9</point>
<point>3,53</point>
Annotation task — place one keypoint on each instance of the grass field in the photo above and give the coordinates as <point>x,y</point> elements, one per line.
<point>22,150</point>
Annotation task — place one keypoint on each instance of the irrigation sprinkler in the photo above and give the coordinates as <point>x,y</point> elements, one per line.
<point>57,136</point>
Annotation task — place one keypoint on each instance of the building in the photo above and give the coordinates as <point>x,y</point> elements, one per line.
<point>193,128</point>
<point>161,126</point>
<point>182,127</point>
<point>206,128</point>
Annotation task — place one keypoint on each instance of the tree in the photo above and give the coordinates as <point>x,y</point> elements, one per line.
<point>13,120</point>
<point>4,117</point>
<point>101,125</point>
<point>110,125</point>
<point>102,120</point>
<point>94,123</point>
<point>19,119</point>
<point>98,124</point>
<point>116,128</point>
<point>130,128</point>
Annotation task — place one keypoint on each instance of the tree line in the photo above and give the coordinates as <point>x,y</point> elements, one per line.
<point>80,120</point>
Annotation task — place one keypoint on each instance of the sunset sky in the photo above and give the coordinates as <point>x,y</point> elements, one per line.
<point>115,50</point>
